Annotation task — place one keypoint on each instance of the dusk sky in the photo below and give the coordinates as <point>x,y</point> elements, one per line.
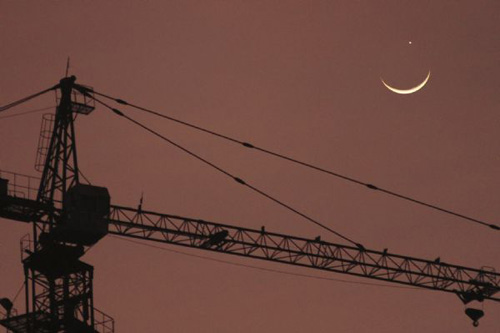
<point>302,78</point>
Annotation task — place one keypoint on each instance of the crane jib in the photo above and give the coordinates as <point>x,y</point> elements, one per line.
<point>469,283</point>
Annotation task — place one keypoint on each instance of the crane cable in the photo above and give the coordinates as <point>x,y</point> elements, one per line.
<point>25,99</point>
<point>228,174</point>
<point>308,165</point>
<point>27,112</point>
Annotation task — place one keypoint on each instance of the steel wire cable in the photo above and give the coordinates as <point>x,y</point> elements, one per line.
<point>18,293</point>
<point>25,99</point>
<point>309,165</point>
<point>26,112</point>
<point>228,174</point>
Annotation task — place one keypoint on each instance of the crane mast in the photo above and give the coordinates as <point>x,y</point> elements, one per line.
<point>58,286</point>
<point>68,216</point>
<point>60,171</point>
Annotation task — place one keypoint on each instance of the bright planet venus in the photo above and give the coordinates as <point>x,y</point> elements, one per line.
<point>407,91</point>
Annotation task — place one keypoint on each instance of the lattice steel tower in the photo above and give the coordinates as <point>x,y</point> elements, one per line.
<point>67,216</point>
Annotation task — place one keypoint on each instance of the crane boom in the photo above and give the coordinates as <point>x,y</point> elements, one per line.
<point>468,283</point>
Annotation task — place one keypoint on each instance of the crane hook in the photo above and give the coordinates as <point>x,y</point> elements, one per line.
<point>475,315</point>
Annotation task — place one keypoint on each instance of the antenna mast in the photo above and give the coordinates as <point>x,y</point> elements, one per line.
<point>67,68</point>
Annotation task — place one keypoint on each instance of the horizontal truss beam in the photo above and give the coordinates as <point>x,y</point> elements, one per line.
<point>468,283</point>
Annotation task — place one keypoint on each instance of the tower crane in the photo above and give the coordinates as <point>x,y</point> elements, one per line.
<point>69,216</point>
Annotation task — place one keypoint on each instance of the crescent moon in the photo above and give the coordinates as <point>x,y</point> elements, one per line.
<point>407,91</point>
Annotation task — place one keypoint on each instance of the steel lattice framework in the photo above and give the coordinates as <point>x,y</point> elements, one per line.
<point>58,286</point>
<point>468,283</point>
<point>60,170</point>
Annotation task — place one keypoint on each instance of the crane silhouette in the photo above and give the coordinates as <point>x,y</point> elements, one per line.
<point>69,216</point>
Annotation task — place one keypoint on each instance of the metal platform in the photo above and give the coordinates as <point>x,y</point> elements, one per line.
<point>39,322</point>
<point>24,323</point>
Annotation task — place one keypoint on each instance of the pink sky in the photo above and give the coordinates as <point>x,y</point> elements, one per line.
<point>301,78</point>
